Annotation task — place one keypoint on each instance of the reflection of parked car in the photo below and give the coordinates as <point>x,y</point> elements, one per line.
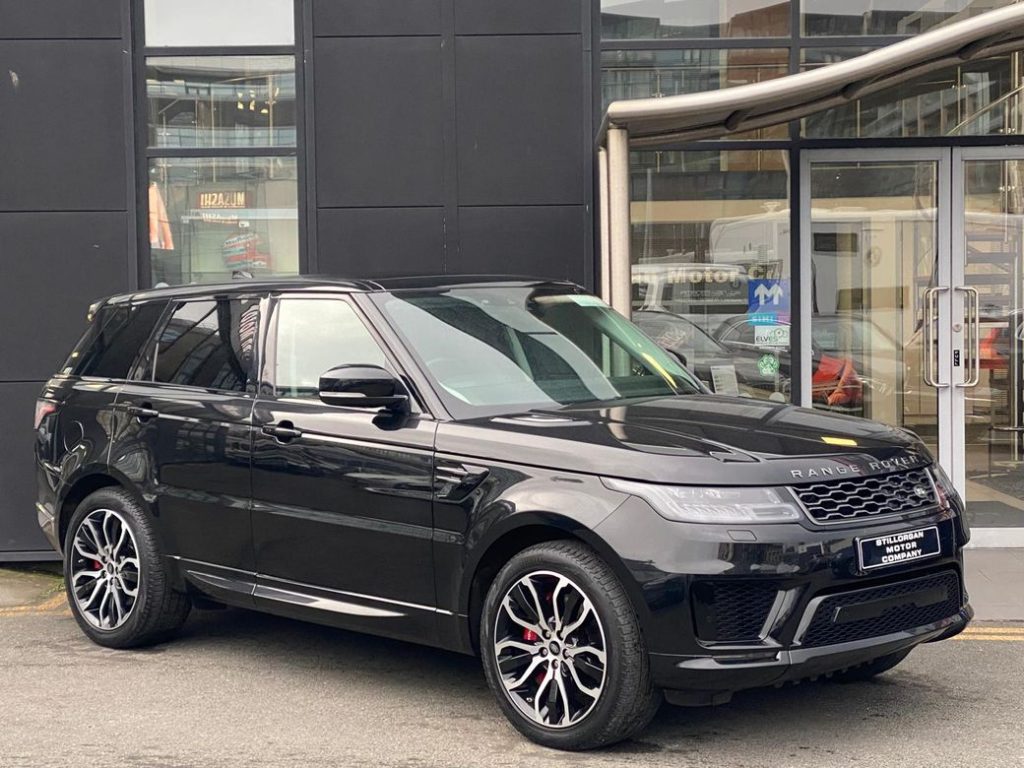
<point>699,351</point>
<point>834,380</point>
<point>999,338</point>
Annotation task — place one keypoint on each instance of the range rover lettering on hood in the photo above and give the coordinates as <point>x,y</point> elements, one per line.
<point>850,466</point>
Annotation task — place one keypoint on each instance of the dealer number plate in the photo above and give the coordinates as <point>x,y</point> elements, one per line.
<point>898,548</point>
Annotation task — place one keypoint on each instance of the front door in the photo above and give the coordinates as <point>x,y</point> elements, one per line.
<point>342,497</point>
<point>913,259</point>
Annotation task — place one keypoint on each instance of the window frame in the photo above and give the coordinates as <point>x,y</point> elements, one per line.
<point>144,154</point>
<point>268,364</point>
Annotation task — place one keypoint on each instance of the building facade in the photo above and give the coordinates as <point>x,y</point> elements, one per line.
<point>170,141</point>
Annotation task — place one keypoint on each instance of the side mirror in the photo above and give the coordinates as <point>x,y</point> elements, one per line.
<point>363,386</point>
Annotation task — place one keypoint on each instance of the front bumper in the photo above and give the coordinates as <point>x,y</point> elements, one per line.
<point>725,609</point>
<point>707,679</point>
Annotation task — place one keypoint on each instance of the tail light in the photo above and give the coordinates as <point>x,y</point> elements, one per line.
<point>43,409</point>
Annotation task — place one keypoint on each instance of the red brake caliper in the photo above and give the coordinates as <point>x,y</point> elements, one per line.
<point>530,636</point>
<point>97,565</point>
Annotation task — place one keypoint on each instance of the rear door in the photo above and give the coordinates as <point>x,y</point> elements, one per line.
<point>183,436</point>
<point>342,518</point>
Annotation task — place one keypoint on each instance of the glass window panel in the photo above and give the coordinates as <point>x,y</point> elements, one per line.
<point>874,235</point>
<point>315,335</point>
<point>215,218</point>
<point>221,101</point>
<point>114,340</point>
<point>640,74</point>
<point>887,17</point>
<point>979,98</point>
<point>647,19</point>
<point>706,226</point>
<point>219,22</point>
<point>209,344</point>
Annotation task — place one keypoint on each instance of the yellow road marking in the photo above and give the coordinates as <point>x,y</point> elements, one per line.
<point>994,631</point>
<point>55,603</point>
<point>999,634</point>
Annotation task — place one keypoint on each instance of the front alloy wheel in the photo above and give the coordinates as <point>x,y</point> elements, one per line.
<point>563,651</point>
<point>550,649</point>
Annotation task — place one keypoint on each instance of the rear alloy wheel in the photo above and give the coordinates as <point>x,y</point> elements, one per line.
<point>562,649</point>
<point>117,582</point>
<point>105,575</point>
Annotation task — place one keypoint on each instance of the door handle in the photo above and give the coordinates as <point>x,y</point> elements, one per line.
<point>143,412</point>
<point>929,336</point>
<point>972,319</point>
<point>283,431</point>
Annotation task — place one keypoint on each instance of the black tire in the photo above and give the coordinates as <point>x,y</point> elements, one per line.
<point>156,610</point>
<point>626,700</point>
<point>871,669</point>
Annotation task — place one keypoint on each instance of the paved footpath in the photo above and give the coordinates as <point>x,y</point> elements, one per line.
<point>241,689</point>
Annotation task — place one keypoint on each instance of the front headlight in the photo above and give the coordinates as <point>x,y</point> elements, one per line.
<point>944,486</point>
<point>693,504</point>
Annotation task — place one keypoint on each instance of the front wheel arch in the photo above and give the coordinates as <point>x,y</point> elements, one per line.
<point>522,532</point>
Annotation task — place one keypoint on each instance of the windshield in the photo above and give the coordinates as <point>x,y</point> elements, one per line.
<point>495,349</point>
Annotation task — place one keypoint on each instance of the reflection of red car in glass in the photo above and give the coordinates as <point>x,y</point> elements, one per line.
<point>834,378</point>
<point>835,382</point>
<point>999,336</point>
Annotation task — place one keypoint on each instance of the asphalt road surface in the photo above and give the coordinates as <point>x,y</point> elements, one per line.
<point>241,689</point>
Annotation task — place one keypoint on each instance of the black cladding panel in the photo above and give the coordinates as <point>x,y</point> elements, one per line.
<point>380,242</point>
<point>63,128</point>
<point>379,122</point>
<point>19,530</point>
<point>60,19</point>
<point>354,18</point>
<point>54,266</point>
<point>546,241</point>
<point>519,102</point>
<point>501,17</point>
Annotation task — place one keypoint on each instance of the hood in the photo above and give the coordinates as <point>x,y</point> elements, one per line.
<point>705,439</point>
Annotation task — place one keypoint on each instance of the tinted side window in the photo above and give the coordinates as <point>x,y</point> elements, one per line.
<point>209,344</point>
<point>315,335</point>
<point>110,347</point>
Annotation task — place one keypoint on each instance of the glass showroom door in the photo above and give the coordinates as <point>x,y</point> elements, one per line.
<point>914,261</point>
<point>875,269</point>
<point>987,305</point>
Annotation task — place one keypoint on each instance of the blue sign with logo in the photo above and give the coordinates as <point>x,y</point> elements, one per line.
<point>768,297</point>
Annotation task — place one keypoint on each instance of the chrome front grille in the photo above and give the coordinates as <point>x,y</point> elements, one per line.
<point>858,498</point>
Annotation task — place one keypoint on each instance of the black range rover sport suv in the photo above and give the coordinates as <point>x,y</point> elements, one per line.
<point>503,467</point>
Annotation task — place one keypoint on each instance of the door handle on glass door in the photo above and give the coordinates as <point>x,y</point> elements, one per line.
<point>972,318</point>
<point>929,336</point>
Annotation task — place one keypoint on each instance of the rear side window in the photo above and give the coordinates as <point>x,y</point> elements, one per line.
<point>209,344</point>
<point>112,343</point>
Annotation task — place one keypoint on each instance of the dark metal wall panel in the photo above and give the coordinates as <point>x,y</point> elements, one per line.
<point>378,121</point>
<point>353,18</point>
<point>519,103</point>
<point>502,17</point>
<point>546,241</point>
<point>60,19</point>
<point>54,266</point>
<point>19,531</point>
<point>379,242</point>
<point>62,125</point>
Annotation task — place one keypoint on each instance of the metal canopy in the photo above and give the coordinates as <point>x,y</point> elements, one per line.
<point>718,114</point>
